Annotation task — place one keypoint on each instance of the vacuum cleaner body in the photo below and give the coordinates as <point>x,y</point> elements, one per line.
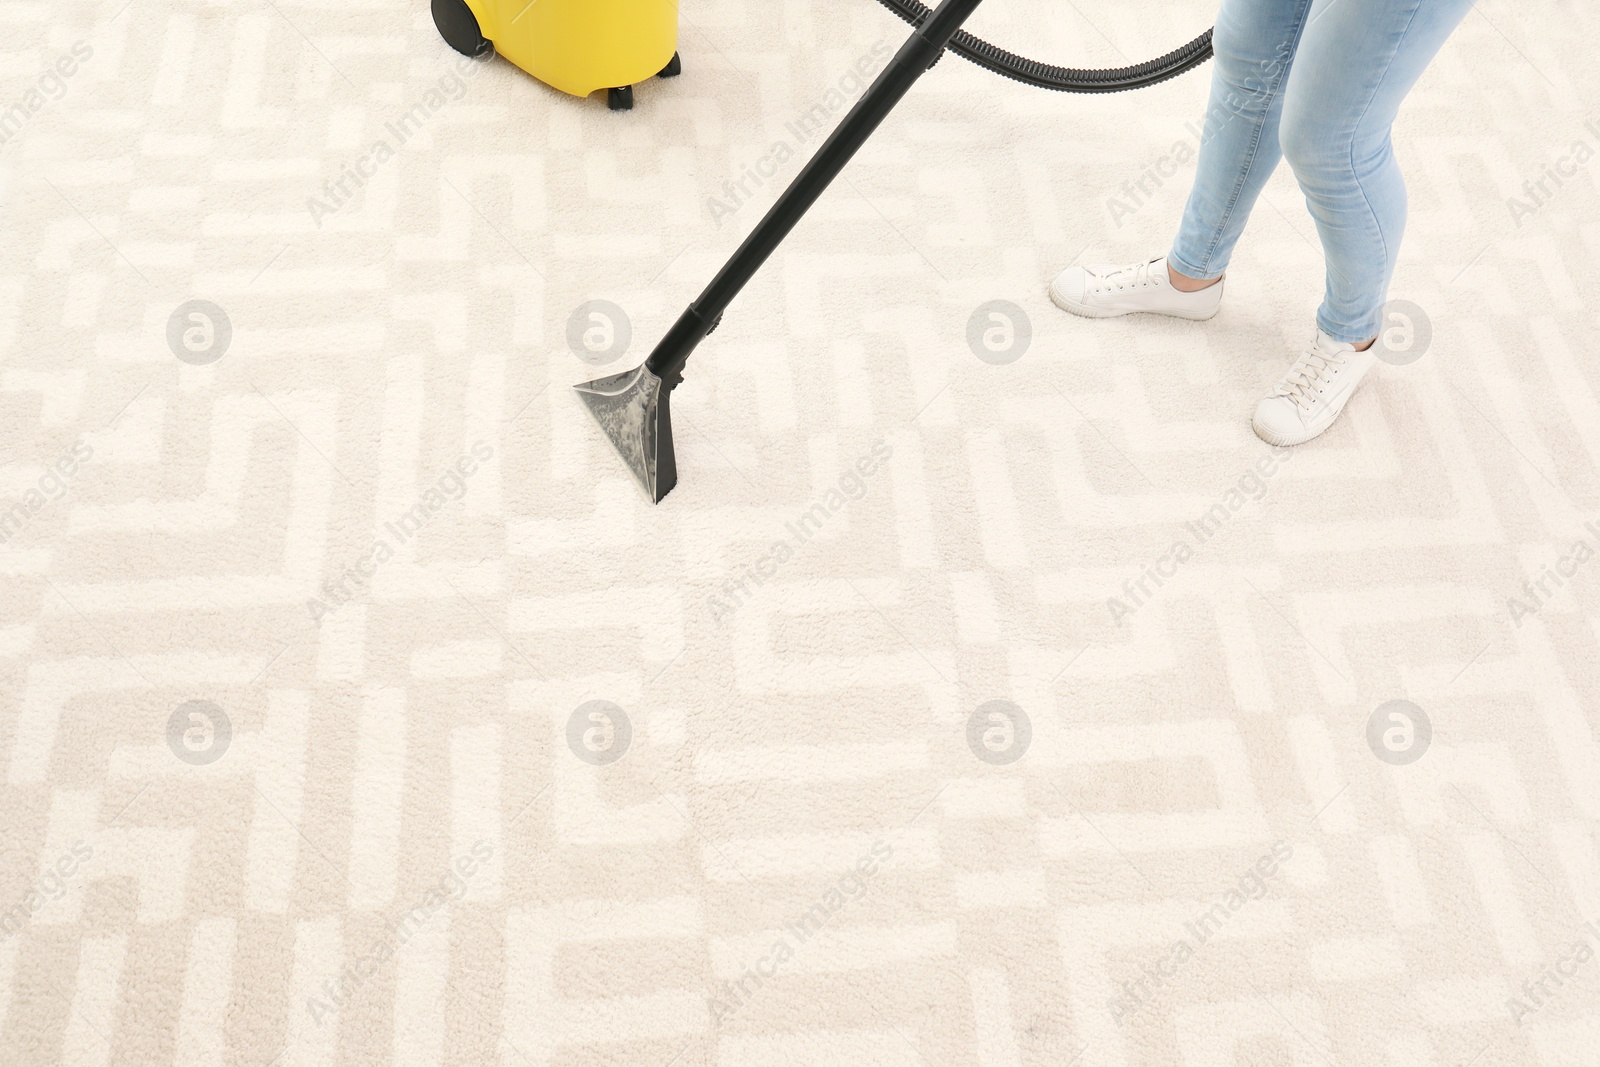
<point>576,46</point>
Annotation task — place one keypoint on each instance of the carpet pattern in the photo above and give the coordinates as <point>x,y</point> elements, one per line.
<point>985,693</point>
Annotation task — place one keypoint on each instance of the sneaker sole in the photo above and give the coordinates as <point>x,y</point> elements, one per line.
<point>1281,441</point>
<point>1089,312</point>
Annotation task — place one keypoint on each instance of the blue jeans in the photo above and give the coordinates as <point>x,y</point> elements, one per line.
<point>1317,82</point>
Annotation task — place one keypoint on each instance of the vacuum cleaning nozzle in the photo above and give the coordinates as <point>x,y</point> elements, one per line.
<point>633,410</point>
<point>633,407</point>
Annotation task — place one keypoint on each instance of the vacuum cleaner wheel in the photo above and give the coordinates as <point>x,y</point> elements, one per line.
<point>673,68</point>
<point>459,27</point>
<point>620,99</point>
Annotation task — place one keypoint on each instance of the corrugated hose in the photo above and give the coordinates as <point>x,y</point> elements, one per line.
<point>1064,79</point>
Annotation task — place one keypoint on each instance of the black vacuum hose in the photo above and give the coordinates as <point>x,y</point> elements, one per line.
<point>1064,79</point>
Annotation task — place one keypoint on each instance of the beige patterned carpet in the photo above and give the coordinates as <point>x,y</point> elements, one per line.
<point>985,693</point>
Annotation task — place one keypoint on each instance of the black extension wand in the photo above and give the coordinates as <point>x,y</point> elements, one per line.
<point>632,407</point>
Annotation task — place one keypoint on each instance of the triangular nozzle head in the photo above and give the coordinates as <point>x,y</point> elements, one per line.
<point>632,408</point>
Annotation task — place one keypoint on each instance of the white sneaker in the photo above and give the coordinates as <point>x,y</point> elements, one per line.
<point>1313,393</point>
<point>1102,291</point>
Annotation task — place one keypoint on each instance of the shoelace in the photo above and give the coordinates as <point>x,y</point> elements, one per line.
<point>1136,276</point>
<point>1310,373</point>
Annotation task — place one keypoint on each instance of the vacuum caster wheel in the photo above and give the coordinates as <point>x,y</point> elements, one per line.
<point>620,99</point>
<point>673,68</point>
<point>459,27</point>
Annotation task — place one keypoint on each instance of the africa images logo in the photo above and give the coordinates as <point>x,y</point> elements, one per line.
<point>354,175</point>
<point>1139,993</point>
<point>1540,191</point>
<point>846,889</point>
<point>813,121</point>
<point>358,574</point>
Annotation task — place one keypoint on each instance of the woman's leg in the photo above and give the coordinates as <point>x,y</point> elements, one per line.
<point>1356,61</point>
<point>1255,42</point>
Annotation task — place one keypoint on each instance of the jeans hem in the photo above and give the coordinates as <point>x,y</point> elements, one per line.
<point>1189,270</point>
<point>1346,336</point>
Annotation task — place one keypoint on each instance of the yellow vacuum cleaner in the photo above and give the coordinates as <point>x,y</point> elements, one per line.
<point>577,46</point>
